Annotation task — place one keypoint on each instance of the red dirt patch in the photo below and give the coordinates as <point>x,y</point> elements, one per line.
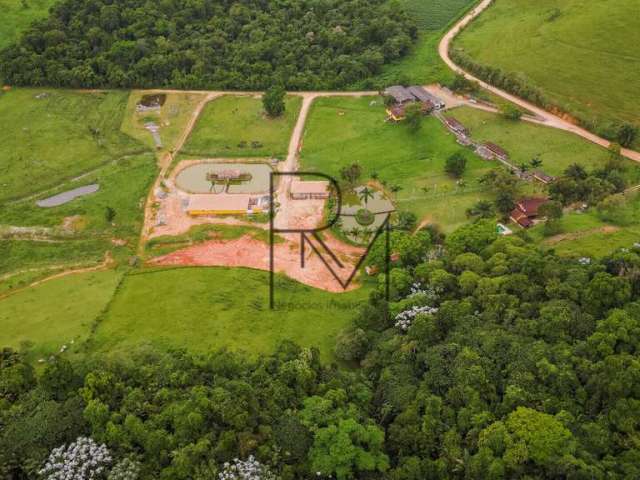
<point>249,252</point>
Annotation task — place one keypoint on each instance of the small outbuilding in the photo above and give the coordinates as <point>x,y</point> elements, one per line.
<point>497,151</point>
<point>455,126</point>
<point>543,177</point>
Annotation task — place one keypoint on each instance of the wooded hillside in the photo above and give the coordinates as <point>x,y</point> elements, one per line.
<point>212,44</point>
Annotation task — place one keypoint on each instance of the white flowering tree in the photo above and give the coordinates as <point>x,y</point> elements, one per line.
<point>125,469</point>
<point>249,469</point>
<point>418,302</point>
<point>83,459</point>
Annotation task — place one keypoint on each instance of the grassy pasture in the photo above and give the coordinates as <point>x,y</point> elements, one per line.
<point>435,14</point>
<point>200,308</point>
<point>341,131</point>
<point>422,64</point>
<point>589,234</point>
<point>45,141</point>
<point>45,317</point>
<point>524,141</point>
<point>578,52</point>
<point>79,231</point>
<point>172,118</point>
<point>17,15</point>
<point>228,126</point>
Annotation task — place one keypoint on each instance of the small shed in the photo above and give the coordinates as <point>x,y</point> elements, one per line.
<point>543,177</point>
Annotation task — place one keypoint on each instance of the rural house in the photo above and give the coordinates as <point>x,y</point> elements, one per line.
<point>403,96</point>
<point>526,211</point>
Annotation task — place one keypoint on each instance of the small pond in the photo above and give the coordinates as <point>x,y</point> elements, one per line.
<point>66,197</point>
<point>253,178</point>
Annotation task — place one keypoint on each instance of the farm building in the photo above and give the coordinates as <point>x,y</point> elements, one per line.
<point>403,95</point>
<point>206,204</point>
<point>497,151</point>
<point>400,94</point>
<point>526,211</point>
<point>484,152</point>
<point>423,95</point>
<point>543,177</point>
<point>455,126</point>
<point>317,190</point>
<point>398,112</point>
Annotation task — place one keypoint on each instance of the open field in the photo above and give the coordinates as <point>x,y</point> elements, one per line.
<point>524,141</point>
<point>200,308</point>
<point>590,234</point>
<point>45,317</point>
<point>342,131</point>
<point>79,232</point>
<point>18,15</point>
<point>233,126</point>
<point>49,136</point>
<point>422,64</point>
<point>579,53</point>
<point>172,118</point>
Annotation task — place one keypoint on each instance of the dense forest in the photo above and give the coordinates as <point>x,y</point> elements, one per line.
<point>209,44</point>
<point>493,360</point>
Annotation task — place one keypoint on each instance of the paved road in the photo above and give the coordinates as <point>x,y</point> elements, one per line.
<point>545,118</point>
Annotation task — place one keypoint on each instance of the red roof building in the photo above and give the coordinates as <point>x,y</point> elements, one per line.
<point>497,150</point>
<point>526,211</point>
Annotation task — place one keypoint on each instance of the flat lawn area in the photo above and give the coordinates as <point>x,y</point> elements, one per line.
<point>45,141</point>
<point>233,126</point>
<point>201,308</point>
<point>56,312</point>
<point>16,255</point>
<point>524,141</point>
<point>578,52</point>
<point>18,15</point>
<point>172,118</point>
<point>341,131</point>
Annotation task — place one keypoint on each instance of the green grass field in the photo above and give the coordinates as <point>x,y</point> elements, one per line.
<point>45,141</point>
<point>422,64</point>
<point>17,15</point>
<point>523,141</point>
<point>200,308</point>
<point>172,118</point>
<point>45,317</point>
<point>341,131</point>
<point>589,234</point>
<point>229,126</point>
<point>580,53</point>
<point>78,232</point>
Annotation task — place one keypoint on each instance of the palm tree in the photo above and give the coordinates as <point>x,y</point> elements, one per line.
<point>355,232</point>
<point>374,175</point>
<point>536,162</point>
<point>366,233</point>
<point>365,194</point>
<point>523,167</point>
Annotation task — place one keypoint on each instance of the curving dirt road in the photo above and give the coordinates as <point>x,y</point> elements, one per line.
<point>545,117</point>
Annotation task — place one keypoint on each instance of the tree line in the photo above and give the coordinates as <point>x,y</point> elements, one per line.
<point>209,44</point>
<point>492,359</point>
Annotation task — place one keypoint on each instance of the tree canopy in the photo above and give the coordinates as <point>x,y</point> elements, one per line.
<point>209,44</point>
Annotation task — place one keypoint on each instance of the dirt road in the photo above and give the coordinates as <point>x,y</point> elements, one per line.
<point>545,118</point>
